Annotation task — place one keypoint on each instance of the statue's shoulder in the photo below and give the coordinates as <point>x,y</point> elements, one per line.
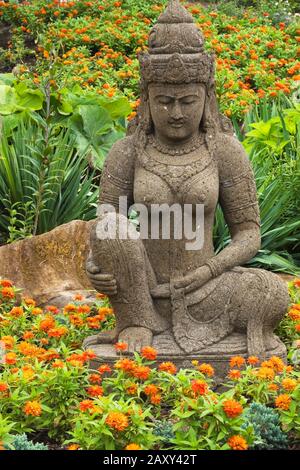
<point>122,149</point>
<point>121,155</point>
<point>231,156</point>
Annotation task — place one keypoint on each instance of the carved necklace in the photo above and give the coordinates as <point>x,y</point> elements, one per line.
<point>193,145</point>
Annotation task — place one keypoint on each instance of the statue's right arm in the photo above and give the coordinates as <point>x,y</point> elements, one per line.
<point>116,181</point>
<point>118,174</point>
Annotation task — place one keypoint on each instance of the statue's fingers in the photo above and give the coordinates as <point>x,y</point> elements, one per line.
<point>184,282</point>
<point>191,287</point>
<point>112,283</point>
<point>91,267</point>
<point>138,346</point>
<point>103,277</point>
<point>108,288</point>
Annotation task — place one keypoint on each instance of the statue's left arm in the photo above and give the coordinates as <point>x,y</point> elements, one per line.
<point>239,203</point>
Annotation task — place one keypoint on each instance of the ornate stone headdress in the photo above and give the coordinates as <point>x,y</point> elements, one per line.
<point>176,50</point>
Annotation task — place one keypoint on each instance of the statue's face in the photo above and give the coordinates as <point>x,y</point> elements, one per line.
<point>176,110</point>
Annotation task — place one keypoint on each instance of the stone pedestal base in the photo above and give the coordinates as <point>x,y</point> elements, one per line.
<point>217,355</point>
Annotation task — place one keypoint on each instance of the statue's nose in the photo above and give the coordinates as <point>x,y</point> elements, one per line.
<point>176,112</point>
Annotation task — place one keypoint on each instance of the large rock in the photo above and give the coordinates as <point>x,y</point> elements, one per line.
<point>50,267</point>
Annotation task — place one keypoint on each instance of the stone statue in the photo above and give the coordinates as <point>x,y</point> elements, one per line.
<point>186,303</point>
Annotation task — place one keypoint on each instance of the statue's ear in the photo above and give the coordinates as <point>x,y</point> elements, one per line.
<point>212,118</point>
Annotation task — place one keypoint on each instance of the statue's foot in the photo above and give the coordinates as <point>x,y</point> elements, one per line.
<point>136,337</point>
<point>105,337</point>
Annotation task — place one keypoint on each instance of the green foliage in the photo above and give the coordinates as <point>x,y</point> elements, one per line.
<point>266,424</point>
<point>273,147</point>
<point>6,428</point>
<point>21,442</point>
<point>41,172</point>
<point>92,432</point>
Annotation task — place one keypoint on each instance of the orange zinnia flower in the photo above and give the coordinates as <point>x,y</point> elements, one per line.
<point>296,282</point>
<point>149,353</point>
<point>237,361</point>
<point>36,311</point>
<point>234,374</point>
<point>8,341</point>
<point>253,360</point>
<point>58,332</point>
<point>206,369</point>
<point>132,447</point>
<point>289,384</point>
<point>95,378</point>
<point>151,389</point>
<point>32,408</point>
<point>141,372</point>
<point>29,302</point>
<point>131,389</point>
<point>199,387</point>
<point>155,399</point>
<point>10,358</point>
<point>47,323</point>
<point>127,365</point>
<point>265,373</point>
<point>283,401</point>
<point>277,363</point>
<point>78,297</point>
<point>95,391</point>
<point>273,387</point>
<point>57,364</point>
<point>7,292</point>
<point>5,283</point>
<point>16,312</point>
<point>117,420</point>
<point>105,368</point>
<point>121,346</point>
<point>237,443</point>
<point>232,408</point>
<point>28,335</point>
<point>85,405</point>
<point>168,367</point>
<point>3,387</point>
<point>73,447</point>
<point>52,309</point>
<point>294,314</point>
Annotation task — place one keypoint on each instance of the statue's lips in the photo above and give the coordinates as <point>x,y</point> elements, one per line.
<point>176,124</point>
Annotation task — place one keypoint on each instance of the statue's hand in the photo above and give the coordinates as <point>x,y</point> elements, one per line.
<point>194,279</point>
<point>104,283</point>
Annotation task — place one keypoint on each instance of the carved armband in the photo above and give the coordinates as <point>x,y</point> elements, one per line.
<point>239,200</point>
<point>215,269</point>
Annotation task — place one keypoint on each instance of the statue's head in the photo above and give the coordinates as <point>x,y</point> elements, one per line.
<point>177,77</point>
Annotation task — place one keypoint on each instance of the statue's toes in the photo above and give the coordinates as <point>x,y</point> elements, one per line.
<point>90,341</point>
<point>105,337</point>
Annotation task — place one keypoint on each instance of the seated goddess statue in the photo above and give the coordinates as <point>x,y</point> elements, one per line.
<point>186,303</point>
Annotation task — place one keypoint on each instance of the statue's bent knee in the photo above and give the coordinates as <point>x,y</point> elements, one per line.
<point>116,253</point>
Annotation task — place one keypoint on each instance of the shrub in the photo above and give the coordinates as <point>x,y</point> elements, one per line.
<point>21,442</point>
<point>266,424</point>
